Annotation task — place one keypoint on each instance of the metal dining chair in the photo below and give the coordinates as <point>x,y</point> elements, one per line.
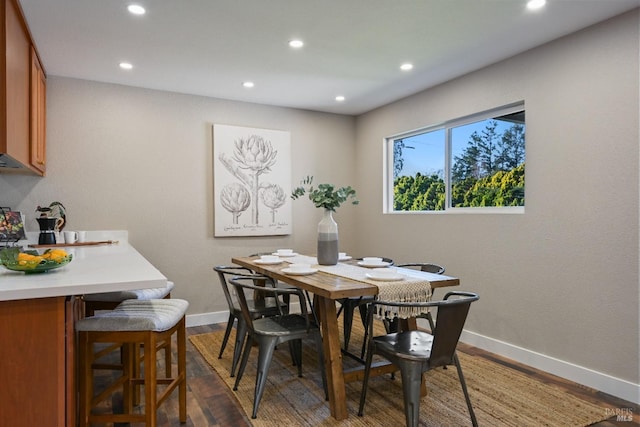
<point>268,332</point>
<point>415,352</point>
<point>257,308</point>
<point>348,307</point>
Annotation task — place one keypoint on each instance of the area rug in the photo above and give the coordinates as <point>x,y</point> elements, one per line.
<point>500,396</point>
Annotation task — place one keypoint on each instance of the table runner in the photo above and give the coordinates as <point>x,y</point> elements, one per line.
<point>414,289</point>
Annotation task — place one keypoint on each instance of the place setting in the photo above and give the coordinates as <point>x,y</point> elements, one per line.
<point>384,275</point>
<point>373,262</point>
<point>268,260</point>
<point>299,269</point>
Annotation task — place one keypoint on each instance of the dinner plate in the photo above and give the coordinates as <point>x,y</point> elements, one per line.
<point>386,276</point>
<point>345,258</point>
<point>299,272</point>
<point>262,262</point>
<point>285,255</point>
<point>374,264</point>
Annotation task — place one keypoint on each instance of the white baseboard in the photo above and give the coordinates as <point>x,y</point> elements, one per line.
<point>614,386</point>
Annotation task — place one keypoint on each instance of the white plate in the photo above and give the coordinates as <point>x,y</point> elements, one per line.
<point>344,258</point>
<point>259,261</point>
<point>390,276</point>
<point>374,264</point>
<point>285,255</point>
<point>299,272</point>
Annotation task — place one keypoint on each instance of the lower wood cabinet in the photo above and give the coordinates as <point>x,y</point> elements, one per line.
<point>37,379</point>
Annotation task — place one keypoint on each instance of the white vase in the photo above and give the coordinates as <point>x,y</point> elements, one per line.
<point>327,239</point>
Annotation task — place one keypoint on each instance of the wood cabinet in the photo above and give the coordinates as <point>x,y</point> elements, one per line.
<point>22,96</point>
<point>38,147</point>
<point>37,362</point>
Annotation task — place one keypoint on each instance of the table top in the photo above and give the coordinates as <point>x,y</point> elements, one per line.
<point>332,286</point>
<point>94,269</point>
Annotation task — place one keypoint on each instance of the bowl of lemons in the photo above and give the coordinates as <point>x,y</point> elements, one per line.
<point>32,261</point>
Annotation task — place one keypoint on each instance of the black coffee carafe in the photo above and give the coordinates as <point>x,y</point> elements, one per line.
<point>47,230</point>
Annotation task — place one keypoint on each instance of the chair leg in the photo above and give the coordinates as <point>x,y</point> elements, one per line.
<point>319,349</point>
<point>227,332</point>
<point>463,383</point>
<point>182,370</point>
<point>296,352</point>
<point>241,332</point>
<point>411,387</point>
<point>150,380</point>
<point>265,355</point>
<point>347,321</point>
<point>365,380</point>
<point>245,357</point>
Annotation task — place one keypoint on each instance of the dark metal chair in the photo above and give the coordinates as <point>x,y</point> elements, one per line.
<point>268,332</point>
<point>415,352</point>
<point>257,307</point>
<point>348,307</point>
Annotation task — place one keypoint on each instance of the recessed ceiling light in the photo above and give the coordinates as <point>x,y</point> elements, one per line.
<point>126,66</point>
<point>296,44</point>
<point>535,4</point>
<point>340,98</point>
<point>406,66</point>
<point>248,85</point>
<point>136,9</point>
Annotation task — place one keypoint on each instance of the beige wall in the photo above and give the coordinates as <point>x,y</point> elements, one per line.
<point>562,278</point>
<point>141,160</point>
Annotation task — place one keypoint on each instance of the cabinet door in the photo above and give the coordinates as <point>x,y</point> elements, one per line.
<point>38,115</point>
<point>33,338</point>
<point>14,139</point>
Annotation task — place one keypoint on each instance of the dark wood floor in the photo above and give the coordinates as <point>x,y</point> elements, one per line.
<point>211,404</point>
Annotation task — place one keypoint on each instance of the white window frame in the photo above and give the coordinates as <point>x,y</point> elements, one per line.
<point>388,164</point>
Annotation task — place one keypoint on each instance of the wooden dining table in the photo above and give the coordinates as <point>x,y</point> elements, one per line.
<point>327,289</point>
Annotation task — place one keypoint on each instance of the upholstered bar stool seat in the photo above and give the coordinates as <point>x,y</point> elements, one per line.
<point>110,300</point>
<point>131,323</point>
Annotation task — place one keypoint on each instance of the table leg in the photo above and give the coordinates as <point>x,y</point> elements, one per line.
<point>332,358</point>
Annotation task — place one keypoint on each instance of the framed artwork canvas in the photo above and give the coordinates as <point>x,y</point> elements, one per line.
<point>252,181</point>
<point>11,226</point>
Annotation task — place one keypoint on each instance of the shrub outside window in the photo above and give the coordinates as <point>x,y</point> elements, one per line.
<point>475,163</point>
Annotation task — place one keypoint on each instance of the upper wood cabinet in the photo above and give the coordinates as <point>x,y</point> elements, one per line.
<point>22,96</point>
<point>38,147</point>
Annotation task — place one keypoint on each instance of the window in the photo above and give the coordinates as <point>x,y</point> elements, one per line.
<point>474,163</point>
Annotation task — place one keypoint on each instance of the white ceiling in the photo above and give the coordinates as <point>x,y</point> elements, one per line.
<point>352,47</point>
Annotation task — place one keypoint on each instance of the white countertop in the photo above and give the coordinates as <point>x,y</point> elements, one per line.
<point>103,268</point>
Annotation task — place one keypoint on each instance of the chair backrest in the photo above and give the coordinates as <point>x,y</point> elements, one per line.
<point>247,283</point>
<point>451,316</point>
<point>424,266</point>
<point>225,272</point>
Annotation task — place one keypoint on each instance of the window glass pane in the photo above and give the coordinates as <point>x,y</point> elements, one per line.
<point>488,163</point>
<point>419,172</point>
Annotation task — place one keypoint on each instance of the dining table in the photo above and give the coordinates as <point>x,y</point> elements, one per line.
<point>329,284</point>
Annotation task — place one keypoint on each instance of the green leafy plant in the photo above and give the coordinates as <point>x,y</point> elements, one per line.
<point>325,195</point>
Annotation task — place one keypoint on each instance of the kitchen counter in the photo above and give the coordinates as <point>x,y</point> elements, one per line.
<point>37,326</point>
<point>102,268</point>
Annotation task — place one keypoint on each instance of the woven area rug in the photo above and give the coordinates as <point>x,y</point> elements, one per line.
<point>500,396</point>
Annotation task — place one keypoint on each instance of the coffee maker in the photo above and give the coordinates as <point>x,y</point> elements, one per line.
<point>48,230</point>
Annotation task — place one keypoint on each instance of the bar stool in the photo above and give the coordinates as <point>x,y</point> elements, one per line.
<point>110,300</point>
<point>130,324</point>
